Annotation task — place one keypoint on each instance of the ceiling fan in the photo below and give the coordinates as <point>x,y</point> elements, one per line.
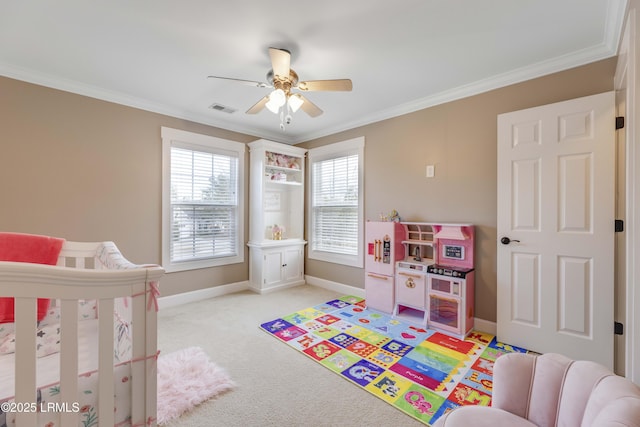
<point>284,80</point>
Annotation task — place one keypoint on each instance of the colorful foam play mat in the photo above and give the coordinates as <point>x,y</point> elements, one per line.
<point>422,372</point>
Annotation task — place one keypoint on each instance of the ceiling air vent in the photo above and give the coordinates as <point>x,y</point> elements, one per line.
<point>222,108</point>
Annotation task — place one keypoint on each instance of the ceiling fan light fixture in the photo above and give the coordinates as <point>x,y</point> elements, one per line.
<point>282,79</point>
<point>277,99</point>
<point>295,102</point>
<point>272,106</point>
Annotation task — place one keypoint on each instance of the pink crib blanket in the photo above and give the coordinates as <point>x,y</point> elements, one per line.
<point>19,247</point>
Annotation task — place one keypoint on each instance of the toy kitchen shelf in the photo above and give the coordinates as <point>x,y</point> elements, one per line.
<point>420,238</point>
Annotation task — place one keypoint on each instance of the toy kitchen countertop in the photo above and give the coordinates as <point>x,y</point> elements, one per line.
<point>446,270</point>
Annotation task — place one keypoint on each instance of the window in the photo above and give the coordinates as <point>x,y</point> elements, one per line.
<point>202,201</point>
<point>335,201</point>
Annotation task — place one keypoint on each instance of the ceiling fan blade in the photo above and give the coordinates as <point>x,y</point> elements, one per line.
<point>258,106</point>
<point>326,85</point>
<point>309,107</point>
<point>280,62</point>
<point>246,82</point>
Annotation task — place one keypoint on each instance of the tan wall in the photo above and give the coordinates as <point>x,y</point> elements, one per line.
<point>90,170</point>
<point>459,138</point>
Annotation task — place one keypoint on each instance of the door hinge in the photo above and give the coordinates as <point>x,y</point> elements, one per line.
<point>619,226</point>
<point>619,122</point>
<point>618,328</point>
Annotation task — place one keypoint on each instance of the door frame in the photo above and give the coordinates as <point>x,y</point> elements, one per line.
<point>626,78</point>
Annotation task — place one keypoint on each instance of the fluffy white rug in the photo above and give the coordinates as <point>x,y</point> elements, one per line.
<point>187,378</point>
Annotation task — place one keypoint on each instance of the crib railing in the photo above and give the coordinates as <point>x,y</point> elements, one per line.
<point>81,274</point>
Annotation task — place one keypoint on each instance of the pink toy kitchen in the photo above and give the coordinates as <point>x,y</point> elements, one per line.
<point>422,273</point>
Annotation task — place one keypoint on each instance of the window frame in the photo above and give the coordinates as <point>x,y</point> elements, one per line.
<point>327,152</point>
<point>198,142</point>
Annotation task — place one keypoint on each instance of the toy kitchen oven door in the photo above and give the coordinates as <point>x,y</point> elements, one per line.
<point>383,241</point>
<point>451,280</point>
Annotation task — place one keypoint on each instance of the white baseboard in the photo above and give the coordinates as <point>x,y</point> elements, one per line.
<point>485,326</point>
<point>276,288</point>
<point>217,291</point>
<point>200,294</point>
<point>334,286</point>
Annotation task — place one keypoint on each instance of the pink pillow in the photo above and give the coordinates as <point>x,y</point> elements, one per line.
<point>7,309</point>
<point>18,247</point>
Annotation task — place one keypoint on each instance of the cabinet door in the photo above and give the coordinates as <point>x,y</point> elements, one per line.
<point>273,261</point>
<point>445,313</point>
<point>411,290</point>
<point>379,292</point>
<point>292,265</point>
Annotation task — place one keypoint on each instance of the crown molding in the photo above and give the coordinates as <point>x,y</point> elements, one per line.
<point>608,48</point>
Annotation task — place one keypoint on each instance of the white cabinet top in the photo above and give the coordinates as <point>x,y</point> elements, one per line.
<point>263,144</point>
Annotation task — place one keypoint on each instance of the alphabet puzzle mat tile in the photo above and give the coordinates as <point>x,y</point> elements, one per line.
<point>422,372</point>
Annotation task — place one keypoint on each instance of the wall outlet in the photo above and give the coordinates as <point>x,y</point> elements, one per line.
<point>431,171</point>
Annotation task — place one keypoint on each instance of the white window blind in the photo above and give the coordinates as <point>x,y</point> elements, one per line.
<point>336,203</point>
<point>203,216</point>
<point>203,204</point>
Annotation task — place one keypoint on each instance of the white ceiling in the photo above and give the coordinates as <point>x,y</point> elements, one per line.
<point>402,56</point>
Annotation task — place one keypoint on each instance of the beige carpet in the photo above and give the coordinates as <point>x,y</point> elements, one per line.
<point>276,385</point>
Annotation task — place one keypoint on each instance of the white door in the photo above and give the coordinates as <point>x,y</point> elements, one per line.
<point>555,228</point>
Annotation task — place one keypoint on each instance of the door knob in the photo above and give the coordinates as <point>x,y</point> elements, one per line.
<point>505,240</point>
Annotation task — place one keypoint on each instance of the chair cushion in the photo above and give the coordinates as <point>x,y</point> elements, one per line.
<point>609,389</point>
<point>624,411</point>
<point>481,416</point>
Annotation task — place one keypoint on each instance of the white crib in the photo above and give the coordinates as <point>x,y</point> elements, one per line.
<point>125,293</point>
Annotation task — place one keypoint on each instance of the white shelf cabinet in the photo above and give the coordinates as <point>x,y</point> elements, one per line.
<point>276,198</point>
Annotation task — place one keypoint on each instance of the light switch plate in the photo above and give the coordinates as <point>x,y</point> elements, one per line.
<point>431,171</point>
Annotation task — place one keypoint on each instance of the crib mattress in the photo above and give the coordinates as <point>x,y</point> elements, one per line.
<point>48,367</point>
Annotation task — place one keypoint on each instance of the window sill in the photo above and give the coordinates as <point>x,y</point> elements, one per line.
<point>173,267</point>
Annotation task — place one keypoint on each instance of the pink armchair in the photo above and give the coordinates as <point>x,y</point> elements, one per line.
<point>552,390</point>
